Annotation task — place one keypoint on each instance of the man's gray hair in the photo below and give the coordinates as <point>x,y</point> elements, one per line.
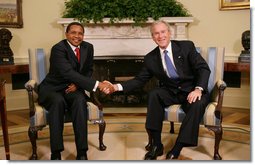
<point>158,22</point>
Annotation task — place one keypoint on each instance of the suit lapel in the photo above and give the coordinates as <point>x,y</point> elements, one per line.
<point>178,58</point>
<point>73,57</point>
<point>71,53</point>
<point>83,52</point>
<point>157,61</point>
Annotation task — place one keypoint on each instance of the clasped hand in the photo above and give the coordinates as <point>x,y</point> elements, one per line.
<point>107,87</point>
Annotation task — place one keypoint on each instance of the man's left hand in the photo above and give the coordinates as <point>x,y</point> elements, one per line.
<point>194,95</point>
<point>71,88</point>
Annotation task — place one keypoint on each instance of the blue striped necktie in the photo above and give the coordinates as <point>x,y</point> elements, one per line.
<point>170,67</point>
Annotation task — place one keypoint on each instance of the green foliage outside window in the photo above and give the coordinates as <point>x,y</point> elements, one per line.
<point>137,10</point>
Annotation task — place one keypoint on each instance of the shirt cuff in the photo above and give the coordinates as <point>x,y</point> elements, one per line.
<point>95,87</point>
<point>200,88</point>
<point>120,87</point>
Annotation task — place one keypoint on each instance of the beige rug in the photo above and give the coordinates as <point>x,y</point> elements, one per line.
<point>126,141</point>
<point>130,146</point>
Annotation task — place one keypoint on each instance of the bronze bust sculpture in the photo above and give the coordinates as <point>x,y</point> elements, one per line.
<point>245,54</point>
<point>6,54</point>
<point>246,41</point>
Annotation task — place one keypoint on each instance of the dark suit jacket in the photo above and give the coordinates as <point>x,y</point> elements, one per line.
<point>190,65</point>
<point>65,69</point>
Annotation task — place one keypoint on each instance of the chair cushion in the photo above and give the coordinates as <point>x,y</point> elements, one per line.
<point>40,117</point>
<point>175,113</point>
<point>94,112</point>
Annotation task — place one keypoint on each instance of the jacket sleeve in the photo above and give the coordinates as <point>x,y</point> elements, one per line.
<point>200,68</point>
<point>138,81</point>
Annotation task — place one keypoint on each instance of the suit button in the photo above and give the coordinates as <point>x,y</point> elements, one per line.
<point>179,87</point>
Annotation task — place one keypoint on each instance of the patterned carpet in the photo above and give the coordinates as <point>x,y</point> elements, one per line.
<point>125,139</point>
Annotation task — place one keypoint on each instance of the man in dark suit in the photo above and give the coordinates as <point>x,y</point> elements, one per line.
<point>71,67</point>
<point>183,78</point>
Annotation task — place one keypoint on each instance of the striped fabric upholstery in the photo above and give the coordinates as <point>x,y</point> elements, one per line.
<point>40,117</point>
<point>37,71</point>
<point>215,59</point>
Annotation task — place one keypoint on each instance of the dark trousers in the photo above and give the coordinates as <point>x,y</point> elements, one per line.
<point>58,104</point>
<point>159,98</point>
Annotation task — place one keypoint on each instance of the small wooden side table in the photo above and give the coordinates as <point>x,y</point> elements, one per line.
<point>4,119</point>
<point>14,69</point>
<point>237,67</point>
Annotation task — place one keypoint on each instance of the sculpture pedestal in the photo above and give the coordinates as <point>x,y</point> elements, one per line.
<point>6,54</point>
<point>6,60</point>
<point>244,56</point>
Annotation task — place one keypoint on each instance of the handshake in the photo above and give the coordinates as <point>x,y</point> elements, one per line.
<point>107,87</point>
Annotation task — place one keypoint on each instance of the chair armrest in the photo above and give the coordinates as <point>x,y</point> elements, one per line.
<point>218,93</point>
<point>31,87</point>
<point>221,86</point>
<point>95,100</point>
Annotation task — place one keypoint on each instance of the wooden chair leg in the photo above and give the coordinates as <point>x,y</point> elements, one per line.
<point>101,125</point>
<point>32,133</point>
<point>218,136</point>
<point>171,127</point>
<point>149,145</point>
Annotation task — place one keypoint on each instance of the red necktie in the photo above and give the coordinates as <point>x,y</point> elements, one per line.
<point>77,50</point>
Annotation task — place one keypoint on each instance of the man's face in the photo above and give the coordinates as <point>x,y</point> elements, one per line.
<point>75,35</point>
<point>161,35</point>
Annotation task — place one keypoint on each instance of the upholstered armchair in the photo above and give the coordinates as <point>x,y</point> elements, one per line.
<point>38,115</point>
<point>213,117</point>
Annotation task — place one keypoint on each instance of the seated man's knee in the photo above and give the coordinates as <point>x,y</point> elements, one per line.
<point>80,98</point>
<point>154,93</point>
<point>56,98</point>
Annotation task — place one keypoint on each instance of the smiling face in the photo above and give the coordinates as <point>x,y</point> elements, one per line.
<point>75,35</point>
<point>161,34</point>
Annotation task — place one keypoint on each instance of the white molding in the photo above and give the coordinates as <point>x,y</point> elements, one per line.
<point>228,58</point>
<point>66,21</point>
<point>123,38</point>
<point>21,59</point>
<point>104,29</point>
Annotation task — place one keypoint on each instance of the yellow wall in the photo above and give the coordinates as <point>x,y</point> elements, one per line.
<point>210,28</point>
<point>40,27</point>
<point>213,27</point>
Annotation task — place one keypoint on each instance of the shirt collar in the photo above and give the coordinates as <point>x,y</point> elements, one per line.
<point>169,48</point>
<point>73,47</point>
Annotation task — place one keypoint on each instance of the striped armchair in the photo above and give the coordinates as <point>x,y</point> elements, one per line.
<point>38,115</point>
<point>212,118</point>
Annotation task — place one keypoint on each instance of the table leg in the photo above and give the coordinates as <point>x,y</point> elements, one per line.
<point>3,114</point>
